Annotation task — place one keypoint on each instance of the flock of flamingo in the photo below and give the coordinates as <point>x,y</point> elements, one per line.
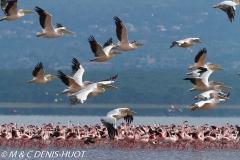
<point>125,135</point>
<point>156,137</point>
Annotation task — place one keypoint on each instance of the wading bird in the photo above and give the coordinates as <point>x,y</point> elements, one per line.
<point>38,75</point>
<point>45,20</point>
<point>101,53</point>
<point>122,36</point>
<point>113,116</point>
<point>92,90</point>
<point>228,7</point>
<point>184,43</point>
<point>9,8</point>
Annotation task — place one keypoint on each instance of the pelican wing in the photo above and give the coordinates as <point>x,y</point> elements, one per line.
<point>45,19</point>
<point>9,7</point>
<point>38,72</point>
<point>110,80</point>
<point>107,46</point>
<point>229,8</point>
<point>81,95</point>
<point>201,57</point>
<point>113,112</point>
<point>205,95</point>
<point>128,118</point>
<point>77,71</point>
<point>96,47</point>
<point>68,81</point>
<point>121,31</point>
<point>110,122</point>
<point>195,81</point>
<point>202,103</point>
<point>206,75</point>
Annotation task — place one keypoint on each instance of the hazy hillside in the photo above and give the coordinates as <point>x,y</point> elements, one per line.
<point>156,23</point>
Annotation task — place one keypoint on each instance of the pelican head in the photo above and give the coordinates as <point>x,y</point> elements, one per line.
<point>213,83</point>
<point>63,30</point>
<point>174,43</point>
<point>128,111</point>
<point>135,44</point>
<point>197,40</point>
<point>60,29</point>
<point>214,68</point>
<point>22,11</point>
<point>49,77</point>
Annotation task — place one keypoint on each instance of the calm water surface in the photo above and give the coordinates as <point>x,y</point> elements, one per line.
<point>112,154</point>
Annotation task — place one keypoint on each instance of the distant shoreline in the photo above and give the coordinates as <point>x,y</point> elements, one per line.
<point>103,109</point>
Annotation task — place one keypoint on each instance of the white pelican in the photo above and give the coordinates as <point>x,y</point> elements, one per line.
<point>210,94</point>
<point>113,116</point>
<point>92,90</point>
<point>9,8</point>
<point>200,59</point>
<point>38,75</point>
<point>228,7</point>
<point>74,82</point>
<point>207,70</point>
<point>45,20</point>
<point>201,84</point>
<point>122,36</point>
<point>101,53</point>
<point>208,104</point>
<point>184,43</point>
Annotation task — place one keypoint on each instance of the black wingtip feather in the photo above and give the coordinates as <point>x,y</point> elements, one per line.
<point>91,39</point>
<point>117,19</point>
<point>59,25</point>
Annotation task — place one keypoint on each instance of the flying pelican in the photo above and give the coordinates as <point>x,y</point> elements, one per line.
<point>208,104</point>
<point>113,116</point>
<point>201,84</point>
<point>200,60</point>
<point>210,94</point>
<point>207,70</point>
<point>92,90</point>
<point>74,81</point>
<point>228,7</point>
<point>38,75</point>
<point>184,43</point>
<point>122,36</point>
<point>101,53</point>
<point>9,8</point>
<point>45,20</point>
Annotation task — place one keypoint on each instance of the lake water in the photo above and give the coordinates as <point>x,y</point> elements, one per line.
<point>116,154</point>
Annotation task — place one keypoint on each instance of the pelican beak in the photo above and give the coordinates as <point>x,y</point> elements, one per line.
<point>217,83</point>
<point>139,44</point>
<point>225,87</point>
<point>53,76</point>
<point>171,46</point>
<point>132,112</point>
<point>66,31</point>
<point>116,52</point>
<point>217,68</point>
<point>108,86</point>
<point>27,11</point>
